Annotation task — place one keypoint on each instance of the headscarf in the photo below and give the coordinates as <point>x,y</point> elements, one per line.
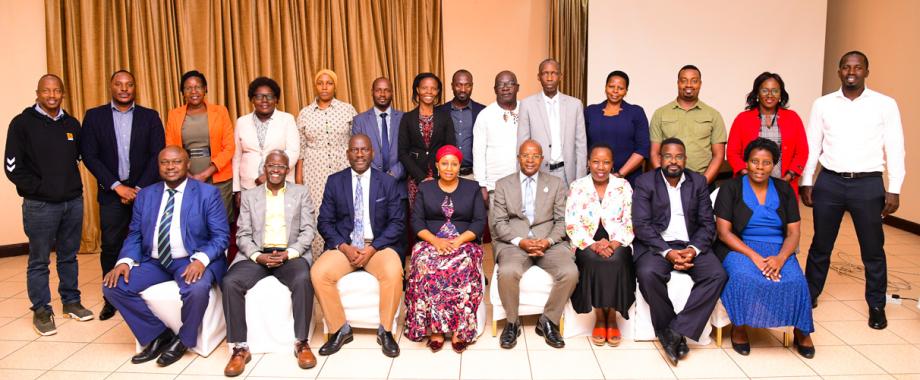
<point>448,150</point>
<point>330,73</point>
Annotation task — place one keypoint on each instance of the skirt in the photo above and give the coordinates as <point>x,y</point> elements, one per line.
<point>604,282</point>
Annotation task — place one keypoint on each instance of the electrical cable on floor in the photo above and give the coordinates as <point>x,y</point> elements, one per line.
<point>844,267</point>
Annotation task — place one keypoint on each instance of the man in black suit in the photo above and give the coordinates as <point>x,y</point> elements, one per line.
<point>463,111</point>
<point>119,142</point>
<point>677,235</point>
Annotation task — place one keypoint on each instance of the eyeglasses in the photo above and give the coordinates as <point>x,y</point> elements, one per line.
<point>768,91</point>
<point>194,89</point>
<point>358,150</point>
<point>678,157</point>
<point>530,156</point>
<point>276,166</point>
<point>504,85</point>
<point>268,97</point>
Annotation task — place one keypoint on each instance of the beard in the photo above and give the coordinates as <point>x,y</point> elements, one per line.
<point>669,174</point>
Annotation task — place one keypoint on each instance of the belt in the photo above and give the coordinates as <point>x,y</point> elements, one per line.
<point>556,165</point>
<point>273,249</point>
<point>853,175</point>
<point>199,152</point>
<point>466,171</point>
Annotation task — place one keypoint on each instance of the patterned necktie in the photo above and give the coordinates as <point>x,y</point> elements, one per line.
<point>385,143</point>
<point>528,199</point>
<point>357,236</point>
<point>163,247</point>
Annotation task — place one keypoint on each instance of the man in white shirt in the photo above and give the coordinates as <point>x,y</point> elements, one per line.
<point>557,122</point>
<point>496,135</point>
<point>852,132</point>
<point>178,232</point>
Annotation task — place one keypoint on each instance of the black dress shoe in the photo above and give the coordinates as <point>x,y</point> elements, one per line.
<point>550,332</point>
<point>670,341</point>
<point>682,348</point>
<point>155,348</point>
<point>335,342</point>
<point>814,302</point>
<point>107,312</point>
<point>510,334</point>
<point>877,319</point>
<point>387,344</point>
<point>173,352</point>
<point>741,348</point>
<point>806,352</point>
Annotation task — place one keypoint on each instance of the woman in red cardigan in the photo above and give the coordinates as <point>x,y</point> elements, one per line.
<point>766,116</point>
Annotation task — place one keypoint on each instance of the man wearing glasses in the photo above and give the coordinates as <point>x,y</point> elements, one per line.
<point>496,136</point>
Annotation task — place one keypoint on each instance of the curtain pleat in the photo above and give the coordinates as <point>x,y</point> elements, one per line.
<point>568,44</point>
<point>232,43</point>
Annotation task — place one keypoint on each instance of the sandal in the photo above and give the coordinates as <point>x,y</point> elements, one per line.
<point>613,336</point>
<point>599,336</point>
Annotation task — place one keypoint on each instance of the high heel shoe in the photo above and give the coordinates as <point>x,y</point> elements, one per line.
<point>807,352</point>
<point>741,348</point>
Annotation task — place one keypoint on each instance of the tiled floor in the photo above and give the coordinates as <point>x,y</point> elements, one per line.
<point>846,347</point>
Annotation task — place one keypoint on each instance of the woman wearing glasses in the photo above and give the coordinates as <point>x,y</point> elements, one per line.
<point>206,132</point>
<point>766,116</point>
<point>260,132</point>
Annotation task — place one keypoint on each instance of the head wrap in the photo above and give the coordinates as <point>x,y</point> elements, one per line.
<point>330,73</point>
<point>448,150</point>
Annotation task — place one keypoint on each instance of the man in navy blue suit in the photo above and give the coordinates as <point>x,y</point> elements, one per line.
<point>362,222</point>
<point>178,232</point>
<point>119,143</point>
<point>674,227</point>
<point>381,125</point>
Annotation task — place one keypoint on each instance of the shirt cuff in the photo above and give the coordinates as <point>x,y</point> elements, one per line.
<point>127,260</point>
<point>551,241</point>
<point>665,253</point>
<point>695,249</point>
<point>807,179</point>
<point>201,256</point>
<point>516,241</point>
<point>255,255</point>
<point>293,253</point>
<point>894,187</point>
<point>114,185</point>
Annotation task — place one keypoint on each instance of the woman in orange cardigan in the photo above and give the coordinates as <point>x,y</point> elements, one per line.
<point>766,116</point>
<point>206,132</point>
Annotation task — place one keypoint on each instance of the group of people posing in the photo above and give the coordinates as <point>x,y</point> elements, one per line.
<point>553,184</point>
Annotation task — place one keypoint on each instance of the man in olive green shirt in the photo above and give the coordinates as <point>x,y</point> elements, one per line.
<point>695,123</point>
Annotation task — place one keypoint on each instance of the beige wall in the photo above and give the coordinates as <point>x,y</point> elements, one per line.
<point>889,34</point>
<point>486,37</point>
<point>25,62</point>
<point>730,41</point>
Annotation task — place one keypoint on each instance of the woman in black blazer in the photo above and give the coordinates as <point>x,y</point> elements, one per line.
<point>423,131</point>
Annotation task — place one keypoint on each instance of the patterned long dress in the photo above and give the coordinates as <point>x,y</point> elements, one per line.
<point>444,291</point>
<point>324,135</point>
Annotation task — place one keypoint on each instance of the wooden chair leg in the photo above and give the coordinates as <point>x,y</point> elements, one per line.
<point>494,328</point>
<point>787,337</point>
<point>562,325</point>
<point>719,337</point>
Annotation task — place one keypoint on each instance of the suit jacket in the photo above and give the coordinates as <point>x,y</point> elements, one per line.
<point>651,210</point>
<point>337,213</point>
<point>475,106</point>
<point>415,156</point>
<point>99,149</point>
<point>298,217</point>
<point>203,222</point>
<point>534,124</point>
<point>366,123</point>
<point>220,136</point>
<point>793,150</point>
<point>509,220</point>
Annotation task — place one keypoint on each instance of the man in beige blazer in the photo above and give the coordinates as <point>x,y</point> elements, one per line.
<point>557,122</point>
<point>276,228</point>
<point>529,229</point>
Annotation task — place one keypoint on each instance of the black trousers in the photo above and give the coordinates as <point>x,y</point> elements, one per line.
<point>114,219</point>
<point>864,198</point>
<point>654,271</point>
<point>242,276</point>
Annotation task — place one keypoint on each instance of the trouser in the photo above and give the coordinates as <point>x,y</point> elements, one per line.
<point>558,261</point>
<point>864,198</point>
<point>126,296</point>
<point>114,218</point>
<point>654,271</point>
<point>57,226</point>
<point>332,265</point>
<point>560,172</point>
<point>243,275</point>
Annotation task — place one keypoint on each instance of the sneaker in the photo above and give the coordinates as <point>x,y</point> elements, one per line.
<point>43,322</point>
<point>77,311</point>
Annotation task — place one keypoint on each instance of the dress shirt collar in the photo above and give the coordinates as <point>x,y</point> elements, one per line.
<point>867,93</point>
<point>675,104</point>
<point>130,109</point>
<point>683,177</point>
<point>55,118</point>
<point>468,106</point>
<point>365,175</point>
<point>547,99</point>
<point>179,189</point>
<point>271,117</point>
<point>281,191</point>
<point>389,112</point>
<point>523,177</point>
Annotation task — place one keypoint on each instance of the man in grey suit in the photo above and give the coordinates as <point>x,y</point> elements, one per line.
<point>276,229</point>
<point>557,122</point>
<point>529,229</point>
<point>381,124</point>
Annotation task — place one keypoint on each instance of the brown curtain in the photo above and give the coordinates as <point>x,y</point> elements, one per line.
<point>232,42</point>
<point>568,44</point>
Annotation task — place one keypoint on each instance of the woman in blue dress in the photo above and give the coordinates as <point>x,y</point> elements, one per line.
<point>759,227</point>
<point>621,125</point>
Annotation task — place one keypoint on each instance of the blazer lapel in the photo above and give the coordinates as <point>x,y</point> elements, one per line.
<point>288,208</point>
<point>189,198</point>
<point>372,197</point>
<point>349,194</point>
<point>685,193</point>
<point>109,129</point>
<point>150,225</point>
<point>662,200</point>
<point>540,199</point>
<point>544,116</point>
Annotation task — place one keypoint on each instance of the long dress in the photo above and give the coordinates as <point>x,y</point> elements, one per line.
<point>605,282</point>
<point>324,135</point>
<point>750,298</point>
<point>444,291</point>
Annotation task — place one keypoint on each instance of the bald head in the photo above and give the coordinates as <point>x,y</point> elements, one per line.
<point>48,94</point>
<point>173,164</point>
<point>360,153</point>
<point>530,145</point>
<point>52,78</point>
<point>382,92</point>
<point>530,157</point>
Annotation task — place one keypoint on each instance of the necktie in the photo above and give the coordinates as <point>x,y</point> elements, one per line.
<point>357,236</point>
<point>385,143</point>
<point>528,199</point>
<point>163,247</point>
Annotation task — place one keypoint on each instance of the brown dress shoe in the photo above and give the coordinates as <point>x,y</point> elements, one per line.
<point>237,363</point>
<point>305,358</point>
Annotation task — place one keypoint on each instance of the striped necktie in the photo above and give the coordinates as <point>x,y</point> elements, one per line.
<point>163,247</point>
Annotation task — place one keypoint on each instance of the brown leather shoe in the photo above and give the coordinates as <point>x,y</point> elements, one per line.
<point>237,363</point>
<point>305,358</point>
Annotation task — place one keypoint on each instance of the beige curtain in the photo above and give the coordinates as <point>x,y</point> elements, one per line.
<point>232,42</point>
<point>568,43</point>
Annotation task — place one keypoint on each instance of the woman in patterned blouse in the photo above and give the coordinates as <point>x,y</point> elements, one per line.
<point>324,126</point>
<point>598,221</point>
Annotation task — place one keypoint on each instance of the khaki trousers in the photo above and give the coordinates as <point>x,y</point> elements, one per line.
<point>558,261</point>
<point>332,265</point>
